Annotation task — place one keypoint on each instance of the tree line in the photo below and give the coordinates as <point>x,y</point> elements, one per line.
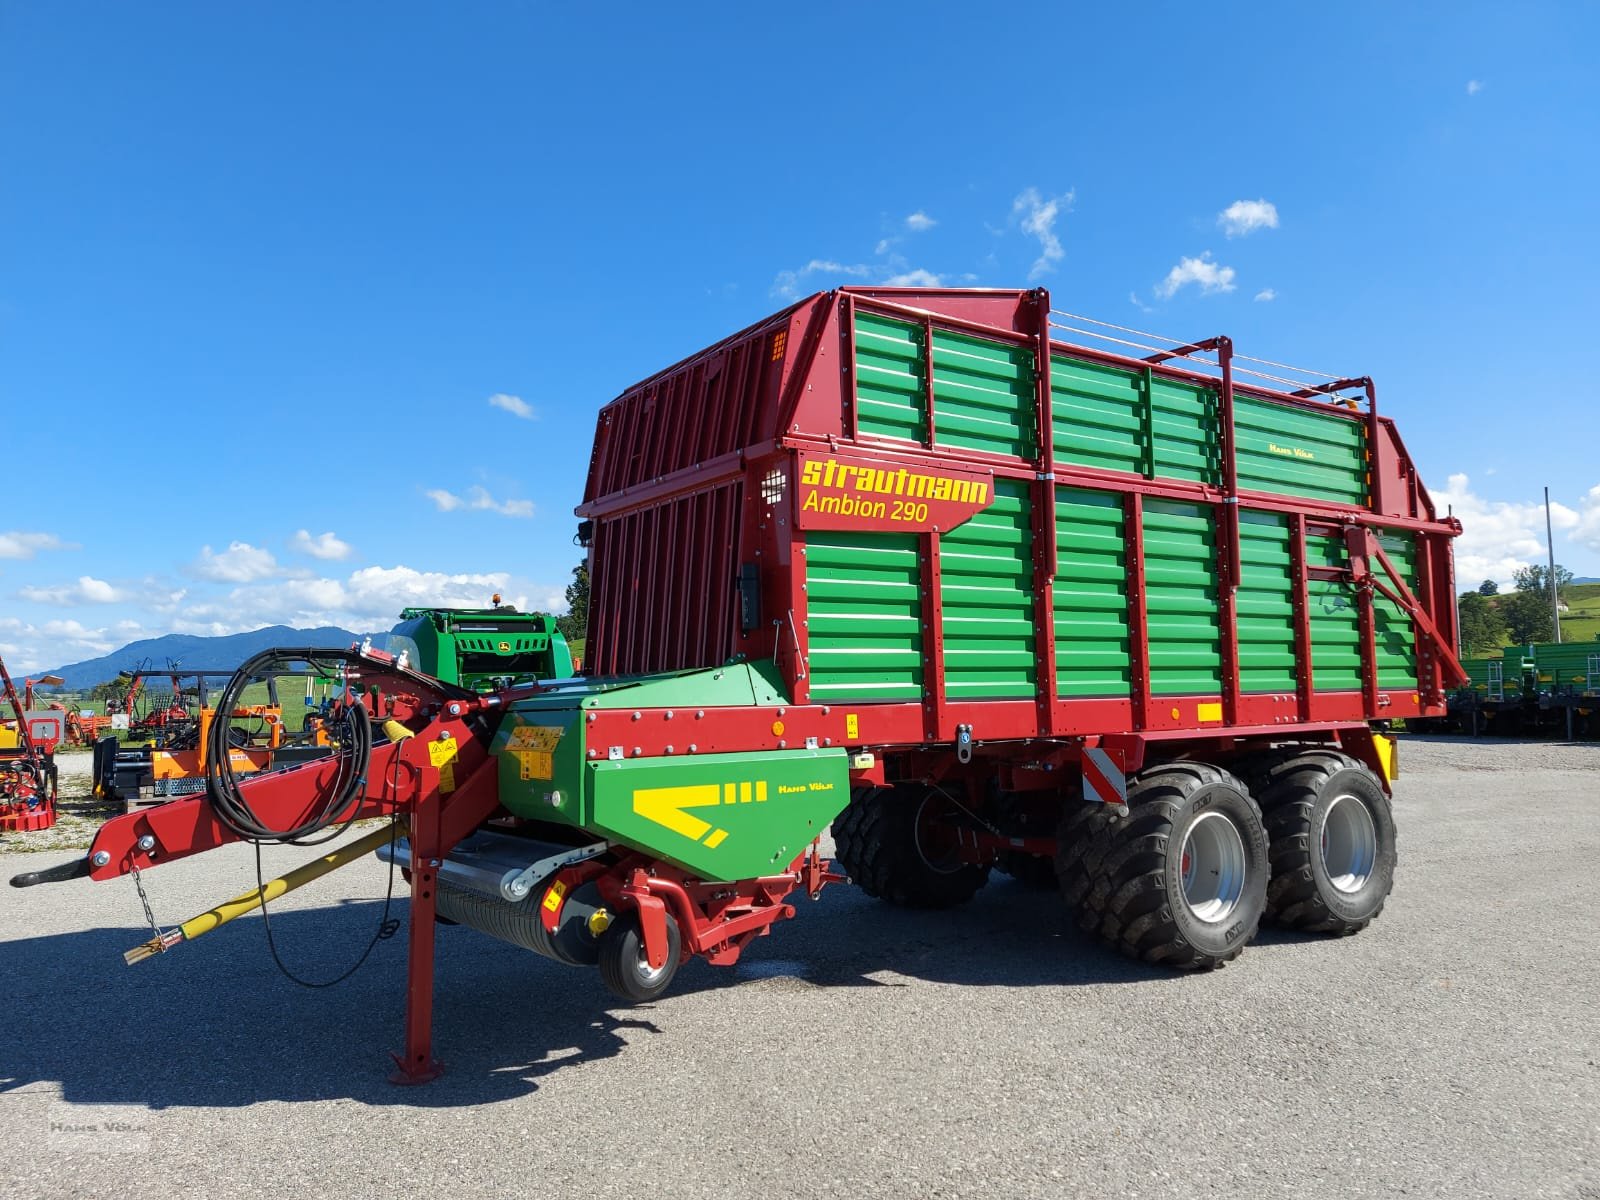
<point>1523,615</point>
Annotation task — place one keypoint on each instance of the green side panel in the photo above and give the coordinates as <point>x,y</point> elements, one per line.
<point>720,816</point>
<point>1568,666</point>
<point>864,618</point>
<point>1103,418</point>
<point>890,386</point>
<point>1097,413</point>
<point>983,394</point>
<point>1184,432</point>
<point>1180,567</point>
<point>986,592</point>
<point>1335,620</point>
<point>1091,594</point>
<point>1298,452</point>
<point>1265,604</point>
<point>1396,640</point>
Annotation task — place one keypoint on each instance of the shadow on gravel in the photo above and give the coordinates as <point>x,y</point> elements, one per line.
<point>214,1024</point>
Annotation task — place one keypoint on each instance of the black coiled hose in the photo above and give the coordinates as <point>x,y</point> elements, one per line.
<point>351,727</point>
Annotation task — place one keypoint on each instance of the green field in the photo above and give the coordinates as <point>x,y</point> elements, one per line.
<point>1582,622</point>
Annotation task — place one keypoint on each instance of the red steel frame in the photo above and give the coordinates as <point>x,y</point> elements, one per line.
<point>442,803</point>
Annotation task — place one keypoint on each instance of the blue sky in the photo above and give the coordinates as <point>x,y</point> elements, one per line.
<point>265,270</point>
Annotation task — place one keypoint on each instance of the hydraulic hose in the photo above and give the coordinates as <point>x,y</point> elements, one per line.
<point>352,728</point>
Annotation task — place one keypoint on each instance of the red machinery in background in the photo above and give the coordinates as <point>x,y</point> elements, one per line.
<point>27,766</point>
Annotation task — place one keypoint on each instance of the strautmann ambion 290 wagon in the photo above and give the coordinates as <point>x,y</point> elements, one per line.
<point>924,566</point>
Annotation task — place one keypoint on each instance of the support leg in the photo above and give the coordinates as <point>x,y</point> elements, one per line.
<point>418,1065</point>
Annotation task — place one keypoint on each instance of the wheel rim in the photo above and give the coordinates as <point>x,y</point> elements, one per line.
<point>649,976</point>
<point>937,846</point>
<point>1213,868</point>
<point>1349,844</point>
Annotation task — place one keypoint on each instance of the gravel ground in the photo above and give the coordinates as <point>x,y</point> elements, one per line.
<point>1449,1050</point>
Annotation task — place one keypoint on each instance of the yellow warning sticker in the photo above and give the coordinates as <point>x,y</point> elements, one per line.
<point>554,897</point>
<point>852,727</point>
<point>442,751</point>
<point>535,737</point>
<point>447,779</point>
<point>535,764</point>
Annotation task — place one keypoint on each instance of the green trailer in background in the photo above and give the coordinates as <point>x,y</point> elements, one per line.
<point>1541,687</point>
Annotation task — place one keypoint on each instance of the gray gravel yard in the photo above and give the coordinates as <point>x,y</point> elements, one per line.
<point>1452,1049</point>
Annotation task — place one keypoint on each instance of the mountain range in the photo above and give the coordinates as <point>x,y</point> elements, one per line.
<point>197,653</point>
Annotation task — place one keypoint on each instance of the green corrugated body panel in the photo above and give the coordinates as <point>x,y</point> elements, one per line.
<point>1184,421</point>
<point>1091,594</point>
<point>986,592</point>
<point>1297,452</point>
<point>1335,622</point>
<point>1102,419</point>
<point>983,394</point>
<point>1180,567</point>
<point>1098,415</point>
<point>1396,640</point>
<point>890,389</point>
<point>864,616</point>
<point>1264,603</point>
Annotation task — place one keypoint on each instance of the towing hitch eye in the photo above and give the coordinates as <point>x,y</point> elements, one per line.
<point>77,868</point>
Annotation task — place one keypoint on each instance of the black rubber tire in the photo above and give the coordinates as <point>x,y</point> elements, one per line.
<point>876,839</point>
<point>1295,798</point>
<point>1080,825</point>
<point>1133,866</point>
<point>623,968</point>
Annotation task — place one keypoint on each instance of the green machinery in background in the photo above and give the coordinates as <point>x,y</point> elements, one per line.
<point>1540,686</point>
<point>484,649</point>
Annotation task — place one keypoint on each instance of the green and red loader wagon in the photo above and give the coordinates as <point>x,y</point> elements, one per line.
<point>925,567</point>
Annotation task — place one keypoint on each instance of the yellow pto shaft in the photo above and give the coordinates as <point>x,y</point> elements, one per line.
<point>255,898</point>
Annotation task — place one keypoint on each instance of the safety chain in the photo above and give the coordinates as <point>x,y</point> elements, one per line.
<point>145,900</point>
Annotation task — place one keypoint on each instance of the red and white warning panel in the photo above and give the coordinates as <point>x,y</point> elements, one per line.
<point>1104,780</point>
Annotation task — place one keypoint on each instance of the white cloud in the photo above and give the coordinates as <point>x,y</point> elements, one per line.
<point>88,590</point>
<point>1133,299</point>
<point>368,599</point>
<point>916,278</point>
<point>919,222</point>
<point>1587,531</point>
<point>1498,537</point>
<point>323,545</point>
<point>787,284</point>
<point>1210,276</point>
<point>239,563</point>
<point>1266,295</point>
<point>1474,87</point>
<point>1037,215</point>
<point>515,405</point>
<point>17,544</point>
<point>1247,216</point>
<point>30,648</point>
<point>479,498</point>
